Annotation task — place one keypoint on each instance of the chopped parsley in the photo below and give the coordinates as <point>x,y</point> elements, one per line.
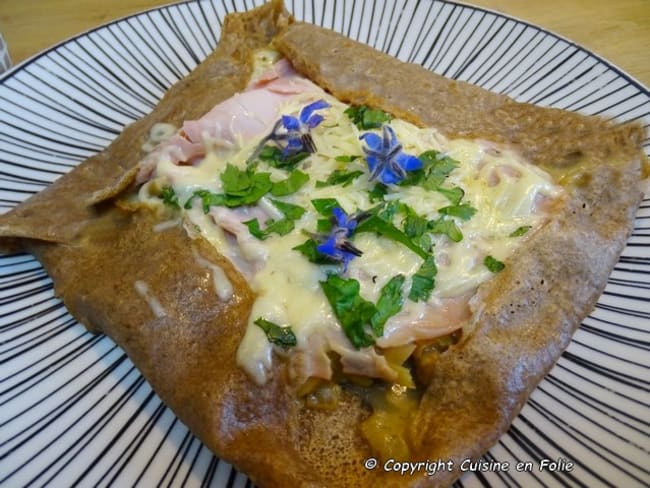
<point>388,210</point>
<point>436,168</point>
<point>290,210</point>
<point>282,226</point>
<point>291,184</point>
<point>357,314</point>
<point>241,187</point>
<point>324,206</point>
<point>390,303</point>
<point>366,118</point>
<point>414,225</point>
<point>447,227</point>
<point>273,156</point>
<point>208,199</point>
<point>280,336</point>
<point>310,251</point>
<point>376,194</point>
<point>463,211</point>
<point>423,281</point>
<point>339,177</point>
<point>324,226</point>
<point>520,231</point>
<point>454,195</point>
<point>169,197</point>
<point>362,320</point>
<point>493,264</point>
<point>353,311</point>
<point>246,187</point>
<point>346,158</point>
<point>378,225</point>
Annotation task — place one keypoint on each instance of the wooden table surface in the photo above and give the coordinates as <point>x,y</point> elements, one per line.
<point>619,31</point>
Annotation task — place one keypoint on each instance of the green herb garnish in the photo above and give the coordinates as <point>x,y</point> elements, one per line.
<point>208,199</point>
<point>241,187</point>
<point>280,336</point>
<point>354,312</point>
<point>436,169</point>
<point>339,177</point>
<point>423,281</point>
<point>454,195</point>
<point>291,184</point>
<point>244,187</point>
<point>382,227</point>
<point>414,225</point>
<point>463,211</point>
<point>324,206</point>
<point>366,118</point>
<point>493,264</point>
<point>520,231</point>
<point>324,226</point>
<point>308,249</point>
<point>357,314</point>
<point>281,227</point>
<point>388,210</point>
<point>390,302</point>
<point>273,156</point>
<point>447,227</point>
<point>377,192</point>
<point>169,197</point>
<point>346,158</point>
<point>290,210</point>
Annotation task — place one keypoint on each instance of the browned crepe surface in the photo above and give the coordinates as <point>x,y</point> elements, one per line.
<point>523,318</point>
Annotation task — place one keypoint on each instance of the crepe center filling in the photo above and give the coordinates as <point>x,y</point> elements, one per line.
<point>362,235</point>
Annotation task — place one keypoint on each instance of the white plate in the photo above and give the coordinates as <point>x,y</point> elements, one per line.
<point>72,407</point>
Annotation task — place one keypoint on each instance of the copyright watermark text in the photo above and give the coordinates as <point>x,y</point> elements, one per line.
<point>430,468</point>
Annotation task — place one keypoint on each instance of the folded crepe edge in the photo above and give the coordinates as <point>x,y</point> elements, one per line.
<point>60,211</point>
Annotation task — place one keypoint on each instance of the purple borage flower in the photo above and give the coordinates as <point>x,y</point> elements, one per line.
<point>385,158</point>
<point>292,133</point>
<point>337,246</point>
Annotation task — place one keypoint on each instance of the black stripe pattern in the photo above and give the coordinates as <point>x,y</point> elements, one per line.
<point>74,410</point>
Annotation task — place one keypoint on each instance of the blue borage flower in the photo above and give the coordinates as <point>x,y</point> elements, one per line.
<point>292,134</point>
<point>386,160</point>
<point>337,246</point>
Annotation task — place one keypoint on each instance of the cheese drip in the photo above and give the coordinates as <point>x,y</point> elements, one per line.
<point>145,292</point>
<point>506,191</point>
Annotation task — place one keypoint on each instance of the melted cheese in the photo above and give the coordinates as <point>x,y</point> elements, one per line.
<point>222,284</point>
<point>158,133</point>
<point>502,187</point>
<point>145,292</point>
<point>166,225</point>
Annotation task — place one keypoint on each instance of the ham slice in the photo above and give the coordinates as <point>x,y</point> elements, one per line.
<point>232,123</point>
<point>427,322</point>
